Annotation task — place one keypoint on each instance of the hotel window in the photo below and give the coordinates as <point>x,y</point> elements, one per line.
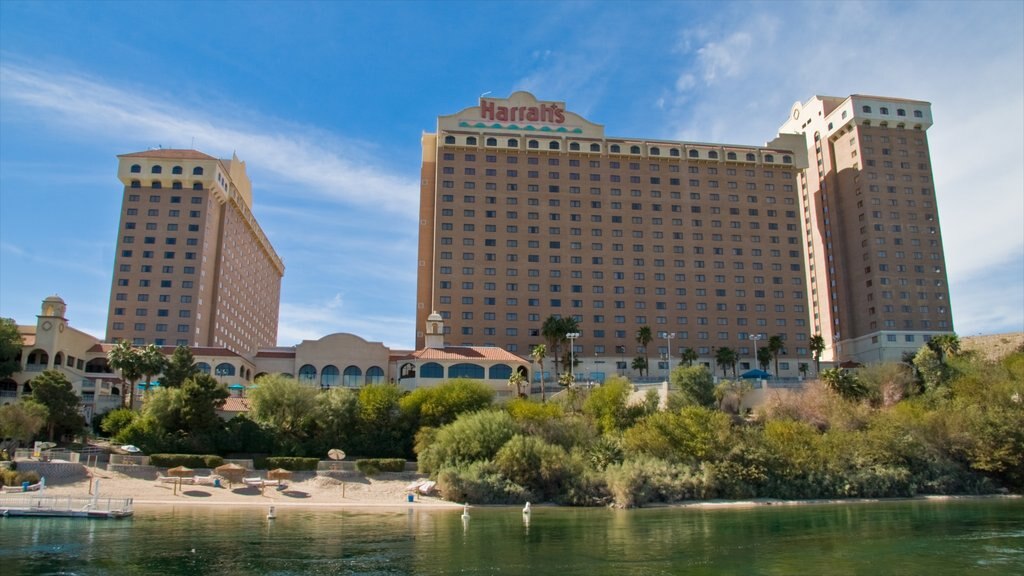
<point>197,171</point>
<point>470,141</point>
<point>492,141</point>
<point>156,169</point>
<point>694,154</point>
<point>574,146</point>
<point>449,139</point>
<point>136,169</point>
<point>513,143</point>
<point>866,109</point>
<point>176,170</point>
<point>553,145</point>
<point>595,147</point>
<point>533,144</point>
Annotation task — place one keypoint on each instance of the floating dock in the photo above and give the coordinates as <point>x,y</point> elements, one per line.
<point>65,506</point>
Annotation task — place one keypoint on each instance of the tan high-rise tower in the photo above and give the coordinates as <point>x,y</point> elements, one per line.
<point>193,266</point>
<point>528,210</point>
<point>876,265</point>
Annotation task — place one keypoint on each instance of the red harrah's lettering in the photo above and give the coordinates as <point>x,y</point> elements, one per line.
<point>550,113</point>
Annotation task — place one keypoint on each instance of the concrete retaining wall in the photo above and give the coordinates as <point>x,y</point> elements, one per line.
<point>54,472</point>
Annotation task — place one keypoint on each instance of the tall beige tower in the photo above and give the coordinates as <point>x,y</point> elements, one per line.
<point>193,267</point>
<point>876,266</point>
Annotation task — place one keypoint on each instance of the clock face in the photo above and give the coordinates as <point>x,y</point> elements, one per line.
<point>47,325</point>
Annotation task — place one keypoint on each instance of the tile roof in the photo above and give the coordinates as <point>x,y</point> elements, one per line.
<point>236,404</point>
<point>465,353</point>
<point>169,153</point>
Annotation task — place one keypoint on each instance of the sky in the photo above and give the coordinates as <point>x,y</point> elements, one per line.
<point>326,103</point>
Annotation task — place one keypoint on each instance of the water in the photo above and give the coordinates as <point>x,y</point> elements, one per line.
<point>932,538</point>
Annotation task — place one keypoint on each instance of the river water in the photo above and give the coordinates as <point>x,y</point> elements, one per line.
<point>933,538</point>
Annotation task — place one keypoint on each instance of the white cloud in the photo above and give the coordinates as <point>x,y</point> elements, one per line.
<point>752,67</point>
<point>313,321</point>
<point>322,165</point>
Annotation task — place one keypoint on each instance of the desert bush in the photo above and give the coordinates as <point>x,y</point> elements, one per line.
<point>644,480</point>
<point>692,435</point>
<point>478,483</point>
<point>472,437</point>
<point>541,468</point>
<point>15,478</point>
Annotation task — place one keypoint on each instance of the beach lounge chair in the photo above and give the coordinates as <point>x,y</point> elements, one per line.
<point>207,480</point>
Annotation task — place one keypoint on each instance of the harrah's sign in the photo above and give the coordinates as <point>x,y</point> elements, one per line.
<point>549,113</point>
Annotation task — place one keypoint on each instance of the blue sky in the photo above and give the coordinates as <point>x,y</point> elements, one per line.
<point>326,101</point>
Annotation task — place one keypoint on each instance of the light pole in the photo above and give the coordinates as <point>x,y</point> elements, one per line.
<point>572,336</point>
<point>755,338</point>
<point>668,337</point>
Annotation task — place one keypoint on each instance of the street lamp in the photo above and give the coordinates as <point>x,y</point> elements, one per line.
<point>668,337</point>
<point>755,338</point>
<point>572,336</point>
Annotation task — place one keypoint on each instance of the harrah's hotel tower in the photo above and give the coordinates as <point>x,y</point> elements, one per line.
<point>528,210</point>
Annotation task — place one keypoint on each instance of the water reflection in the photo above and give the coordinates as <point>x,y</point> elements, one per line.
<point>904,537</point>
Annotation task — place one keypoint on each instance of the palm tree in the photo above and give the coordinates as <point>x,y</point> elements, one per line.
<point>844,383</point>
<point>537,355</point>
<point>776,346</point>
<point>764,357</point>
<point>689,356</point>
<point>945,345</point>
<point>554,330</point>
<point>124,358</point>
<point>640,363</point>
<point>644,337</point>
<point>516,380</point>
<point>151,363</point>
<point>726,358</point>
<point>817,347</point>
<point>802,368</point>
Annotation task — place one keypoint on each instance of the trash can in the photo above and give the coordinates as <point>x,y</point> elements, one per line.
<point>216,482</point>
<point>411,497</point>
<point>24,486</point>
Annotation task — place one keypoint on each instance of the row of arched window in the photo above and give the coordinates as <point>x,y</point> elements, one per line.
<point>225,369</point>
<point>885,111</point>
<point>330,376</point>
<point>616,149</point>
<point>466,370</point>
<point>176,185</point>
<point>158,169</point>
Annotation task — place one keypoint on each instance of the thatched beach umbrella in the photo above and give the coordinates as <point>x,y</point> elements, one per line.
<point>279,474</point>
<point>180,471</point>
<point>231,472</point>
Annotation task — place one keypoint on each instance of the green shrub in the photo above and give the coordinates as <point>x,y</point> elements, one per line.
<point>472,437</point>
<point>15,478</point>
<point>644,480</point>
<point>478,483</point>
<point>371,466</point>
<point>291,463</point>
<point>188,460</point>
<point>537,466</point>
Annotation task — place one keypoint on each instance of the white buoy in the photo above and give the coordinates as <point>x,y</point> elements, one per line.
<point>465,512</point>
<point>526,509</point>
<point>271,515</point>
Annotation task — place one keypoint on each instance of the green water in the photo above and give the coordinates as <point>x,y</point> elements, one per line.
<point>932,538</point>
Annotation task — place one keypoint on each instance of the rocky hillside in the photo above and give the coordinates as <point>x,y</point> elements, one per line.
<point>993,346</point>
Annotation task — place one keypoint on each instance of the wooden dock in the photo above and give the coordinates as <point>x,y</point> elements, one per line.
<point>64,506</point>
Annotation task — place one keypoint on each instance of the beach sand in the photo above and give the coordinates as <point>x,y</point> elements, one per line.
<point>385,490</point>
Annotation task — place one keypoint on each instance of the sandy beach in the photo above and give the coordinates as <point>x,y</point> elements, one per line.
<point>385,490</point>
